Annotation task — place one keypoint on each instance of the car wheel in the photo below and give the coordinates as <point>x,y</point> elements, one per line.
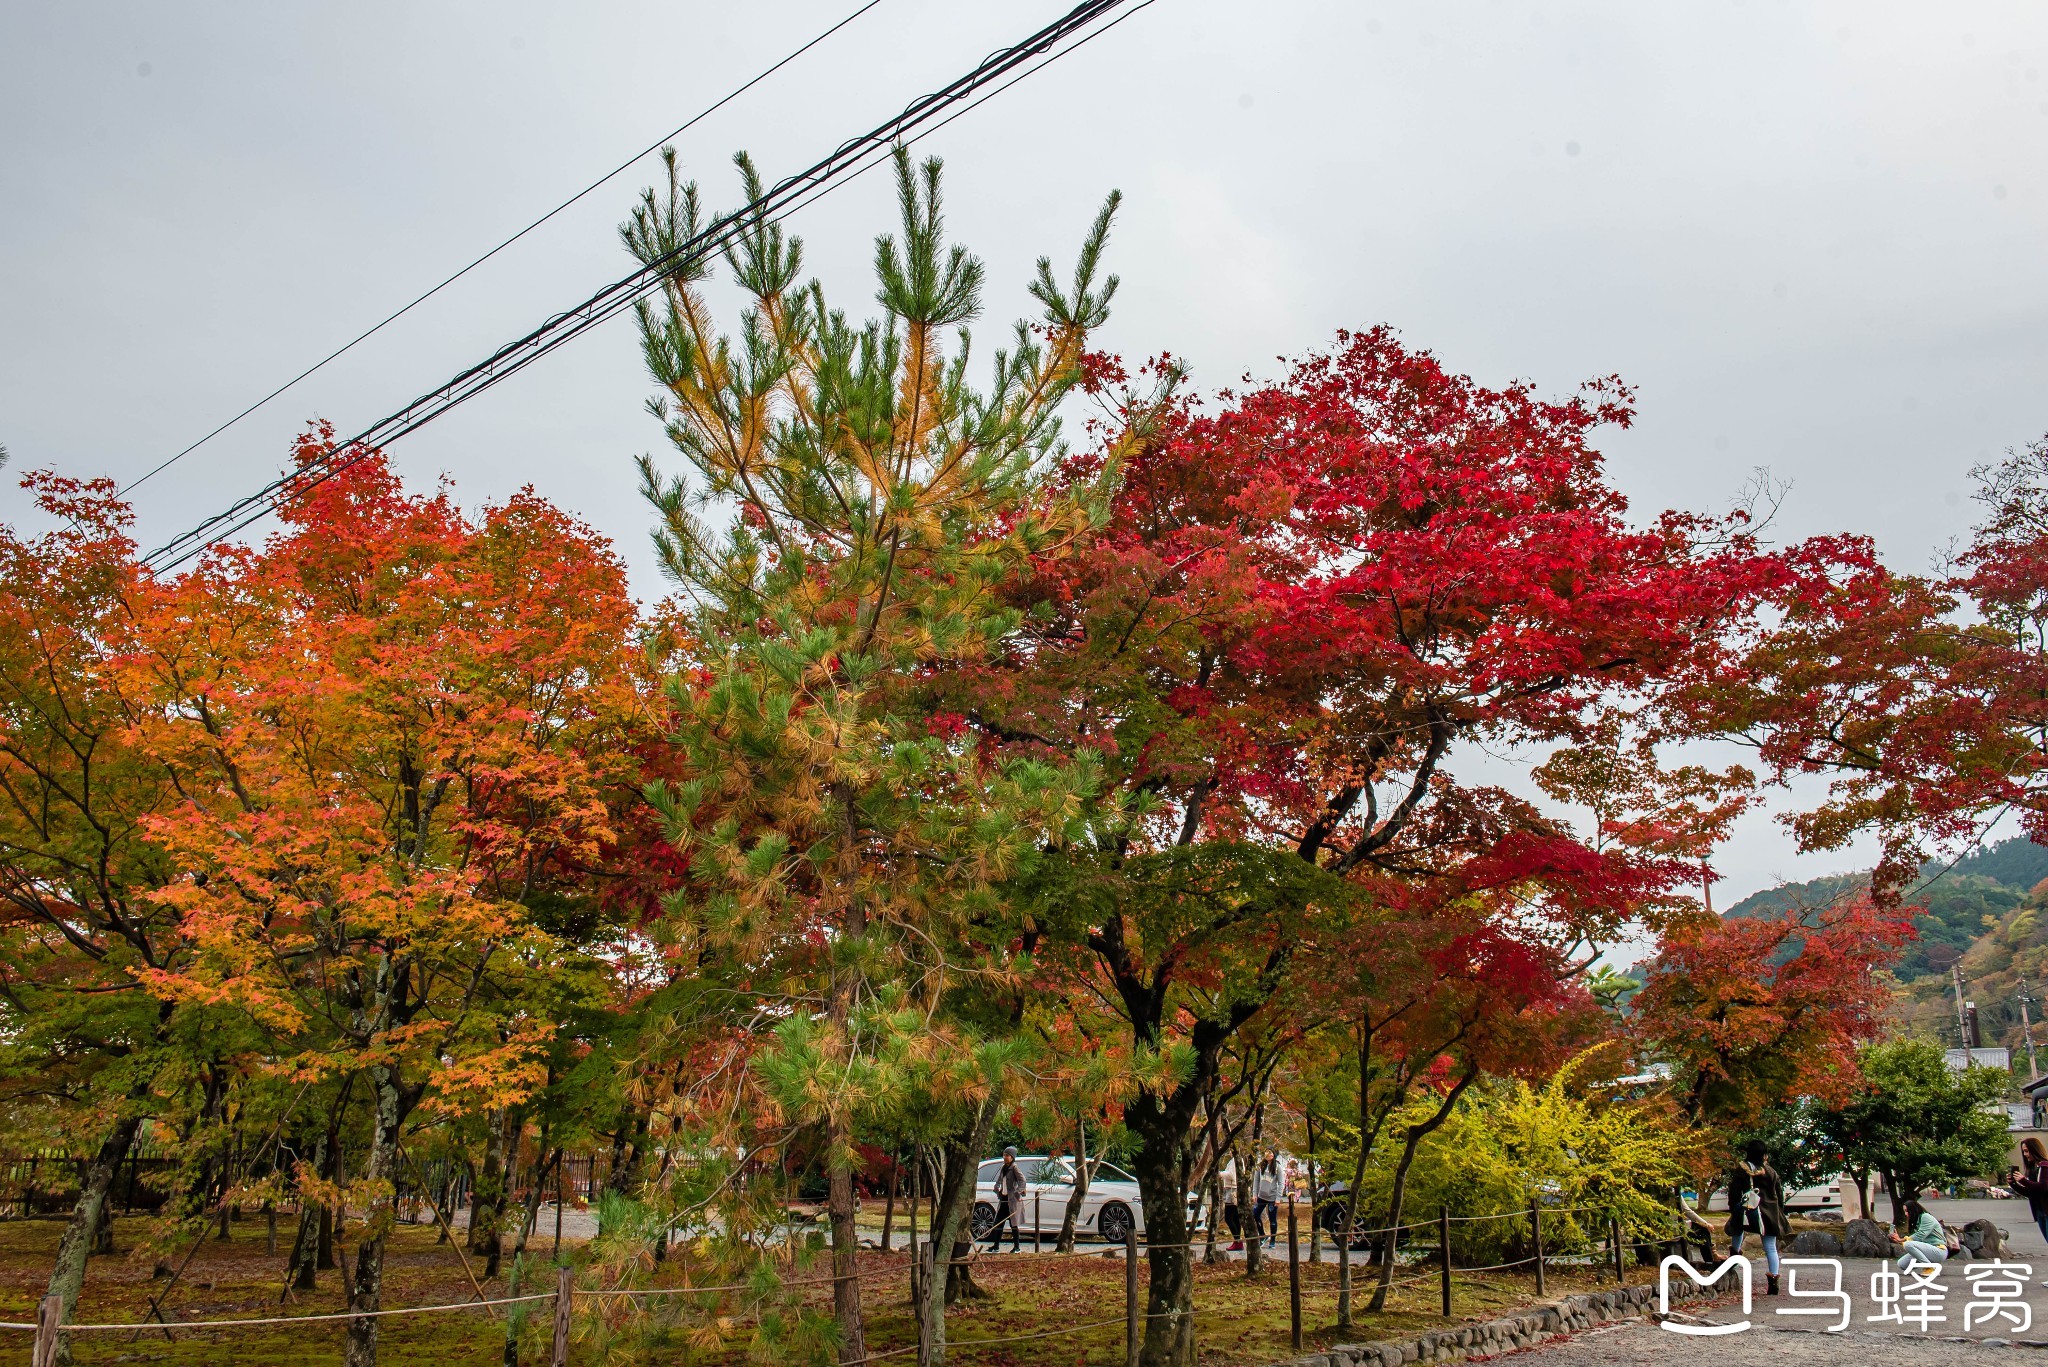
<point>1115,1222</point>
<point>984,1218</point>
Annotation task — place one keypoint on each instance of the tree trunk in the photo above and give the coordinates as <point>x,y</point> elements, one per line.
<point>1895,1188</point>
<point>508,1131</point>
<point>1080,1193</point>
<point>486,1205</point>
<point>1212,1186</point>
<point>1315,1225</point>
<point>367,1289</point>
<point>960,1162</point>
<point>950,1208</point>
<point>846,985</point>
<point>1170,1294</point>
<point>103,1229</point>
<point>541,1172</point>
<point>889,1207</point>
<point>1345,1240</point>
<point>333,1171</point>
<point>1254,1240</point>
<point>68,1274</point>
<point>853,1346</point>
<point>306,1247</point>
<point>1415,1135</point>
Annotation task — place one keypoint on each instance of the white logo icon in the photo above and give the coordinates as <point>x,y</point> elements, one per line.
<point>1735,1263</point>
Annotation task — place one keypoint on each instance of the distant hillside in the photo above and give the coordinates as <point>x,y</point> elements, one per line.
<point>1983,910</point>
<point>1962,902</point>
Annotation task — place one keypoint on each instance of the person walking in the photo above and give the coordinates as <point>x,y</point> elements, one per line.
<point>2030,1179</point>
<point>1266,1200</point>
<point>1233,1209</point>
<point>1928,1242</point>
<point>1009,1186</point>
<point>1756,1205</point>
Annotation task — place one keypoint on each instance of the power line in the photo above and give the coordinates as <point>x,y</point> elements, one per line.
<point>849,159</point>
<point>602,180</point>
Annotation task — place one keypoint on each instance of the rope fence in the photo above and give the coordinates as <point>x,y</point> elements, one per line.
<point>48,1326</point>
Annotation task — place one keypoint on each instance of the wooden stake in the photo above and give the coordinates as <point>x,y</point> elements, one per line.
<point>1536,1229</point>
<point>1131,1295</point>
<point>1443,1225</point>
<point>565,1289</point>
<point>49,1320</point>
<point>1293,1274</point>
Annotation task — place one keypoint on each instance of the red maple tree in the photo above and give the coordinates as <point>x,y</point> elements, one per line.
<point>1299,604</point>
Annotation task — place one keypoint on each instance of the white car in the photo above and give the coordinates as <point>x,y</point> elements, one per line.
<point>1109,1211</point>
<point>1827,1196</point>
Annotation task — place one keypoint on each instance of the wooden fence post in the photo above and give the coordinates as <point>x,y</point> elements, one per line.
<point>1614,1225</point>
<point>49,1319</point>
<point>1443,1226</point>
<point>1131,1295</point>
<point>1293,1275</point>
<point>1037,1219</point>
<point>565,1290</point>
<point>1536,1230</point>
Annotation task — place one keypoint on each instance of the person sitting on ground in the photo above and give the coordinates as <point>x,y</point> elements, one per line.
<point>1756,1205</point>
<point>1927,1243</point>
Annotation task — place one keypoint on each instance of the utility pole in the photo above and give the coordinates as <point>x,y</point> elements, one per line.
<point>2027,1029</point>
<point>1955,977</point>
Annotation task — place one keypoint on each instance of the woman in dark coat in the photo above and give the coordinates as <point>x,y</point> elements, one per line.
<point>1756,1205</point>
<point>2031,1180</point>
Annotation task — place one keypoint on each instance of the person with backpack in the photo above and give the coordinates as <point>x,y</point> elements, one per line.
<point>1756,1205</point>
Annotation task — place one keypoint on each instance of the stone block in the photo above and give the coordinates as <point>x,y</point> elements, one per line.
<point>1865,1239</point>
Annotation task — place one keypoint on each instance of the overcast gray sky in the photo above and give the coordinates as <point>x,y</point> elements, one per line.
<point>1811,234</point>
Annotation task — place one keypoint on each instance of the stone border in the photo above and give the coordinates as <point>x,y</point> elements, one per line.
<point>1533,1326</point>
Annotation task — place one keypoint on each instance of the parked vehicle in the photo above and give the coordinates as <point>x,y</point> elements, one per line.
<point>1806,1200</point>
<point>1331,1200</point>
<point>1109,1212</point>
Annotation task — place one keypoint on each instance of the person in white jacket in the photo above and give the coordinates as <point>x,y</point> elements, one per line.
<point>1266,1193</point>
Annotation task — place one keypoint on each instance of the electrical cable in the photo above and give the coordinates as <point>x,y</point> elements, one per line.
<point>613,299</point>
<point>602,180</point>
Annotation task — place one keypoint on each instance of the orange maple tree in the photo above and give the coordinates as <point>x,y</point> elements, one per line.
<point>396,728</point>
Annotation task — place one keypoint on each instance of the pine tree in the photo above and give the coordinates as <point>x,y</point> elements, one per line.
<point>876,505</point>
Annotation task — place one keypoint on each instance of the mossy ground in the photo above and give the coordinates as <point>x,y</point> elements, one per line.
<point>1240,1322</point>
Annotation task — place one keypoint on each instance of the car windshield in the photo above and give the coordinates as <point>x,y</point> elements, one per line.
<point>1110,1172</point>
<point>1028,1166</point>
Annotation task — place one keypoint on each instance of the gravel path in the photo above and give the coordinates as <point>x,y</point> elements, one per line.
<point>1638,1341</point>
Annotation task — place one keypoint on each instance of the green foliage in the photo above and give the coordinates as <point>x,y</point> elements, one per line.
<point>1801,1150</point>
<point>1566,1145</point>
<point>1919,1121</point>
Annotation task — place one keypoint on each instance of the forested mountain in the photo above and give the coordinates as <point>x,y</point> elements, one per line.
<point>1984,910</point>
